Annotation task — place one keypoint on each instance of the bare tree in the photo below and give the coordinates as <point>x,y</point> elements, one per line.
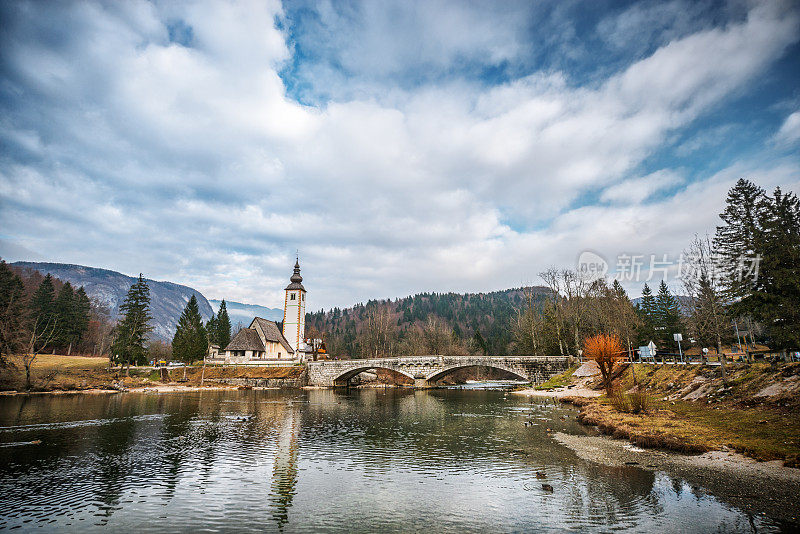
<point>702,283</point>
<point>378,336</point>
<point>42,334</point>
<point>555,303</point>
<point>529,325</point>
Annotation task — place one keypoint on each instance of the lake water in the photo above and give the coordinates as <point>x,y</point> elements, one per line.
<point>323,460</point>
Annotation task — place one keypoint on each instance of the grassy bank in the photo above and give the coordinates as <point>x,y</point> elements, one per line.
<point>560,380</point>
<point>78,373</point>
<point>691,409</point>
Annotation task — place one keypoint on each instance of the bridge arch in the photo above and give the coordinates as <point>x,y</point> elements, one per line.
<point>344,377</point>
<point>439,374</point>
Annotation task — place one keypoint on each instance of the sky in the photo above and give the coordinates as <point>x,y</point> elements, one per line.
<point>399,147</point>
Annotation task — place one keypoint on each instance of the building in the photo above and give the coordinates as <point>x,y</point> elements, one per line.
<point>294,309</point>
<point>263,343</point>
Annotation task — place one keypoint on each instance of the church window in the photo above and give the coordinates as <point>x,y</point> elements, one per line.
<point>292,297</point>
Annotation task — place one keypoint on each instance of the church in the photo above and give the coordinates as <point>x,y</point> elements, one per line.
<point>263,342</point>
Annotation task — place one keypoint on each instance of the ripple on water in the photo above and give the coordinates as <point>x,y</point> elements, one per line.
<point>320,460</point>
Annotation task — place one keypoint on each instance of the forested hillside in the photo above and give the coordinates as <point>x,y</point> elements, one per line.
<point>479,322</point>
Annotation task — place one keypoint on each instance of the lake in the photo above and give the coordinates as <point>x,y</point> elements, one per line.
<point>359,460</point>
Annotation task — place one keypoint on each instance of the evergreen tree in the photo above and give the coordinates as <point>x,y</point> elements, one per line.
<point>65,313</point>
<point>190,342</point>
<point>223,326</point>
<point>42,317</point>
<point>12,311</point>
<point>736,239</point>
<point>131,333</point>
<point>212,330</point>
<point>667,315</point>
<point>765,229</point>
<point>647,313</point>
<point>83,313</point>
<point>775,293</point>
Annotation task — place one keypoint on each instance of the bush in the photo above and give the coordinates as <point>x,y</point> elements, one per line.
<point>636,402</point>
<point>639,402</point>
<point>620,401</point>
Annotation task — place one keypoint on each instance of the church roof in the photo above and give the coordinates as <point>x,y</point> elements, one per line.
<point>246,339</point>
<point>296,279</point>
<point>271,332</point>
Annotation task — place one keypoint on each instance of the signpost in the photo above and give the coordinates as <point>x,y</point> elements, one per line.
<point>678,338</point>
<point>648,351</point>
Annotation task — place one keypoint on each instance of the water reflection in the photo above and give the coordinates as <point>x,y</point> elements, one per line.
<point>323,460</point>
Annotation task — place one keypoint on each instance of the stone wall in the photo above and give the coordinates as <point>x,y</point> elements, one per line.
<point>263,382</point>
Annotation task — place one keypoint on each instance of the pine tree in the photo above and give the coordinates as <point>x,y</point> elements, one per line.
<point>131,333</point>
<point>775,296</point>
<point>223,326</point>
<point>12,311</point>
<point>647,313</point>
<point>212,330</point>
<point>190,342</point>
<point>667,315</point>
<point>763,228</point>
<point>64,311</point>
<point>83,313</point>
<point>42,316</point>
<point>736,239</point>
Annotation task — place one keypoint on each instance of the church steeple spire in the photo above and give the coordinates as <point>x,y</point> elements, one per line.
<point>296,279</point>
<point>296,276</point>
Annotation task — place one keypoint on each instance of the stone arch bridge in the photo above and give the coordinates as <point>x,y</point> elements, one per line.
<point>426,370</point>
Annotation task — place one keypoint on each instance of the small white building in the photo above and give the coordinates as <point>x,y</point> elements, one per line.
<point>260,342</point>
<point>263,343</point>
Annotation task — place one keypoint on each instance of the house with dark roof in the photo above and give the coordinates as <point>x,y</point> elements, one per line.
<point>262,341</point>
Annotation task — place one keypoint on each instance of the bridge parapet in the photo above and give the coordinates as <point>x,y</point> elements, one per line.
<point>425,370</point>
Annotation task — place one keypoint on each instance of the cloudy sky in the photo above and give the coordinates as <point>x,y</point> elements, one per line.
<point>399,146</point>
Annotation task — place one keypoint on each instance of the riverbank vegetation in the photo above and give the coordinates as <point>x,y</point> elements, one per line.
<point>691,409</point>
<point>52,372</point>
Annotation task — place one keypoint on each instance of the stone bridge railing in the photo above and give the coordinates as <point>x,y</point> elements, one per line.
<point>426,370</point>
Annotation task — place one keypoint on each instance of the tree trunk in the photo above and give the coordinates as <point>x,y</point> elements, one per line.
<point>69,349</point>
<point>28,376</point>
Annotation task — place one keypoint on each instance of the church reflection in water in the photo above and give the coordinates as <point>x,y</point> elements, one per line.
<point>284,469</point>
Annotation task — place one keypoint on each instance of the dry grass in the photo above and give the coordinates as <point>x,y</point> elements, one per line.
<point>57,361</point>
<point>57,372</point>
<point>764,429</point>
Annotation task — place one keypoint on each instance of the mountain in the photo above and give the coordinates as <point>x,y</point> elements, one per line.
<point>244,313</point>
<point>167,300</point>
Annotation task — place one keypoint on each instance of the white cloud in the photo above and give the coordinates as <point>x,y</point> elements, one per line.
<point>191,163</point>
<point>789,132</point>
<point>637,190</point>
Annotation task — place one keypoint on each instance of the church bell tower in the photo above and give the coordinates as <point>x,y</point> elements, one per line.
<point>294,310</point>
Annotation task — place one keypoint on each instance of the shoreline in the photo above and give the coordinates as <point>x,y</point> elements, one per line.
<point>757,487</point>
<point>560,393</point>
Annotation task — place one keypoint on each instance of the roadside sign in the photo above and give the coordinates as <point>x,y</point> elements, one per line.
<point>677,337</point>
